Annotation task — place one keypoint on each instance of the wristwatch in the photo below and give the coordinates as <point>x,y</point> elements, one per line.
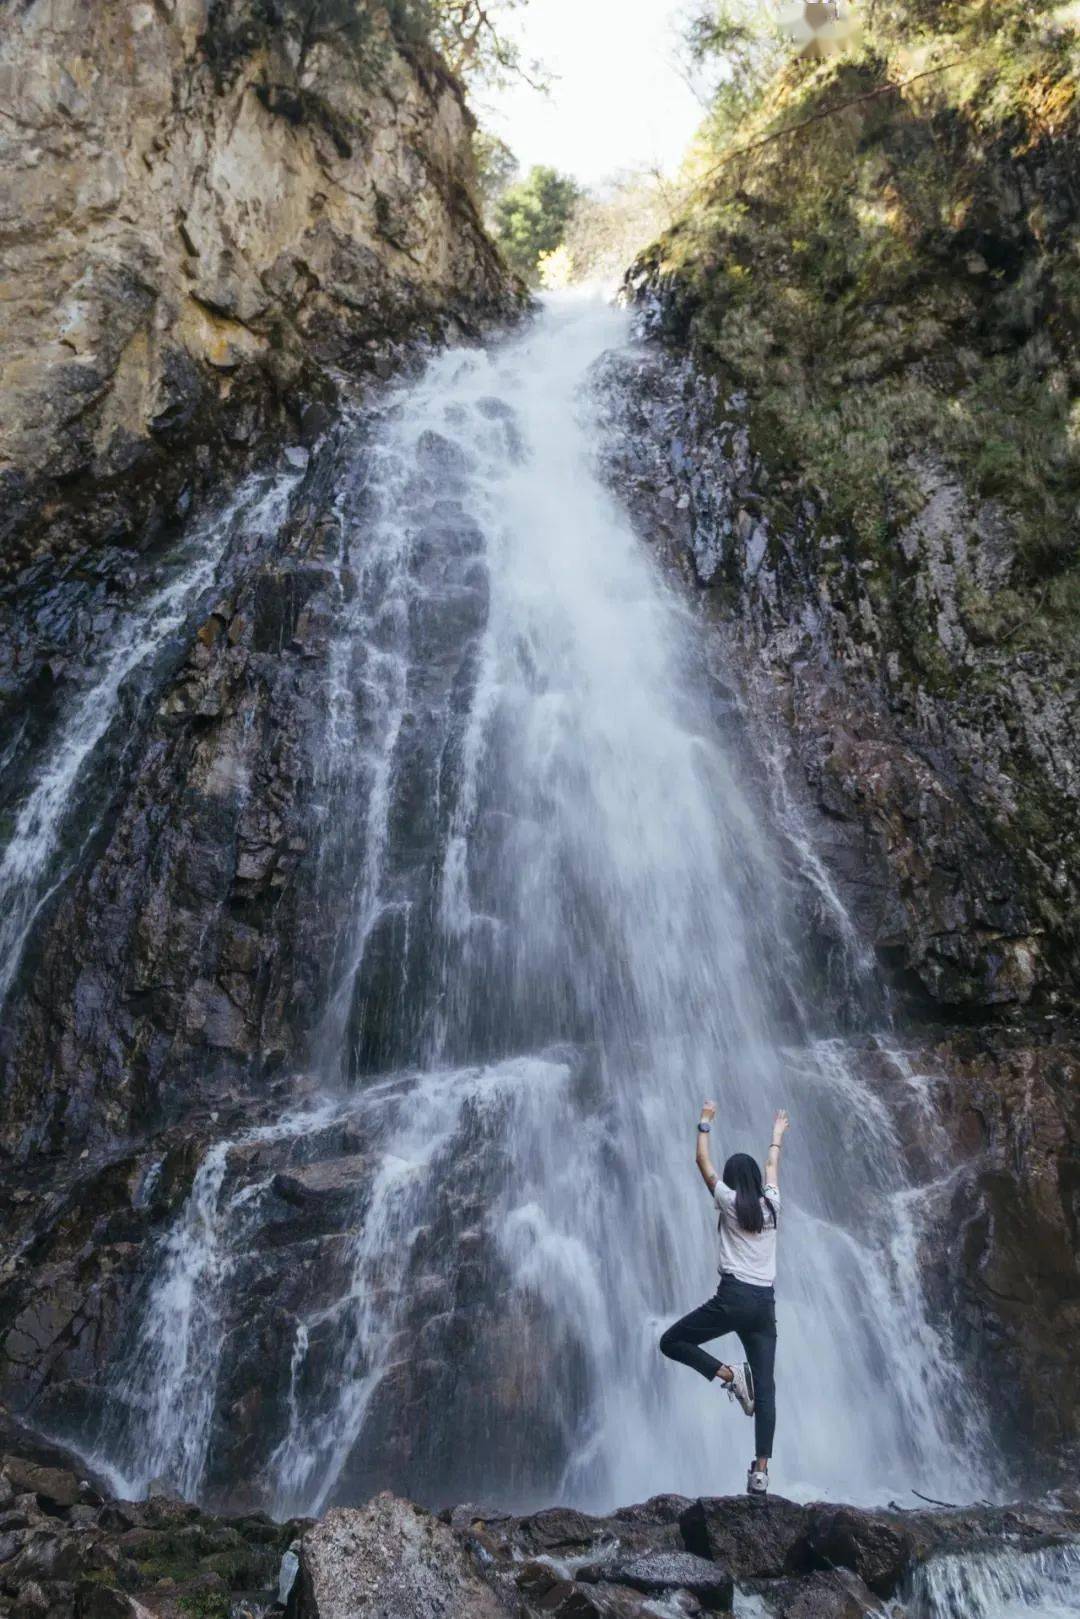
<point>703,1127</point>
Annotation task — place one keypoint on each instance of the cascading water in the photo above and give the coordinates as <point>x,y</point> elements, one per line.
<point>563,921</point>
<point>1002,1585</point>
<point>35,860</point>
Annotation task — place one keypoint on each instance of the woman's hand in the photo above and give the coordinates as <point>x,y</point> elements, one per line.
<point>701,1151</point>
<point>780,1124</point>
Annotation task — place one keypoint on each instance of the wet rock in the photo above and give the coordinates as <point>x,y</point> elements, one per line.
<point>10,1542</point>
<point>558,1530</point>
<point>94,1601</point>
<point>332,1184</point>
<point>837,1594</point>
<point>469,1514</point>
<point>656,1573</point>
<point>53,1486</point>
<point>879,1549</point>
<point>389,1557</point>
<point>658,1510</point>
<point>171,1559</point>
<point>547,1592</point>
<point>33,1601</point>
<point>999,1253</point>
<point>752,1539</point>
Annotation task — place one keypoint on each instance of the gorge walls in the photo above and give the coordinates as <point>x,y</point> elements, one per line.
<point>203,246</point>
<point>211,250</point>
<point>390,855</point>
<point>199,232</point>
<point>853,433</point>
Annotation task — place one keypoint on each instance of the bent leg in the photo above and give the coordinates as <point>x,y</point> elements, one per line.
<point>760,1347</point>
<point>682,1341</point>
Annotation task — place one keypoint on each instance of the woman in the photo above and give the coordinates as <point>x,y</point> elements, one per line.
<point>744,1302</point>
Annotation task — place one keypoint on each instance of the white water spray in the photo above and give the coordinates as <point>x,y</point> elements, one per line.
<point>604,880</point>
<point>597,939</point>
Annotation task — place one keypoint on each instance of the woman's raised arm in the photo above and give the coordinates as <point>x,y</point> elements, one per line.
<point>772,1157</point>
<point>704,1162</point>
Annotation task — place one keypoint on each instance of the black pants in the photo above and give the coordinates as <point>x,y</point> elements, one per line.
<point>751,1312</point>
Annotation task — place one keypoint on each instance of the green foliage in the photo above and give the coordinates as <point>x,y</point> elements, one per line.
<point>341,25</point>
<point>496,169</point>
<point>738,45</point>
<point>895,281</point>
<point>531,217</point>
<point>471,37</point>
<point>206,1603</point>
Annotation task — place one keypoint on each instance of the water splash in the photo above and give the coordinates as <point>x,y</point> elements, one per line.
<point>1000,1585</point>
<point>564,922</point>
<point>159,1421</point>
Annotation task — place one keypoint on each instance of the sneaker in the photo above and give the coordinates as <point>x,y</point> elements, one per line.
<point>756,1483</point>
<point>741,1387</point>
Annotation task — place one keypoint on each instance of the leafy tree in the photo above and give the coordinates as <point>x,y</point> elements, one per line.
<point>496,168</point>
<point>531,217</point>
<point>470,35</point>
<point>737,44</point>
<point>345,25</point>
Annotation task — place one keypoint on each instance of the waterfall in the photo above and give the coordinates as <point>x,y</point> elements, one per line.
<point>1002,1585</point>
<point>564,916</point>
<point>45,840</point>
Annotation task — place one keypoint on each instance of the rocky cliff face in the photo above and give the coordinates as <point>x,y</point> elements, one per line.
<point>210,255</point>
<point>873,473</point>
<point>205,247</point>
<point>197,238</point>
<point>917,796</point>
<point>851,434</point>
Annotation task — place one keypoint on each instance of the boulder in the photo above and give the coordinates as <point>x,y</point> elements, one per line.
<point>559,1531</point>
<point>53,1486</point>
<point>657,1510</point>
<point>878,1547</point>
<point>94,1601</point>
<point>833,1594</point>
<point>563,1532</point>
<point>753,1539</point>
<point>389,1560</point>
<point>657,1573</point>
<point>547,1594</point>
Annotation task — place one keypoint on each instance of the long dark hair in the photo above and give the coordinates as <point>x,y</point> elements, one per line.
<point>743,1177</point>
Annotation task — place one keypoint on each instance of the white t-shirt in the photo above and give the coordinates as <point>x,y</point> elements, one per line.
<point>748,1255</point>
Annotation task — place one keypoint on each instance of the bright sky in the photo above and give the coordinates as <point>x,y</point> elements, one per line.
<point>618,101</point>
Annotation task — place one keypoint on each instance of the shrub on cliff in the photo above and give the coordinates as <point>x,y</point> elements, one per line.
<point>884,253</point>
<point>470,36</point>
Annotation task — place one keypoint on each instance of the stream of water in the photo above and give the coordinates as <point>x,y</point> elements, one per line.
<point>564,919</point>
<point>565,924</point>
<point>41,849</point>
